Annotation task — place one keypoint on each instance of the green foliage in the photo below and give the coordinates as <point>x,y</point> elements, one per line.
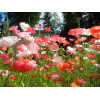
<point>29,17</point>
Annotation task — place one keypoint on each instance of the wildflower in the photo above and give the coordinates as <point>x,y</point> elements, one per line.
<point>90,55</point>
<point>5,73</point>
<point>50,65</point>
<point>92,40</point>
<point>36,55</point>
<point>24,65</point>
<point>9,40</point>
<point>13,76</point>
<point>71,39</point>
<point>80,80</point>
<point>56,77</point>
<point>41,69</point>
<point>6,57</point>
<point>85,32</point>
<point>60,65</point>
<point>31,30</point>
<point>75,32</point>
<point>53,47</point>
<point>39,26</point>
<point>95,31</point>
<point>47,29</point>
<point>71,50</point>
<point>24,26</point>
<point>14,29</point>
<point>74,85</point>
<point>57,59</point>
<point>93,61</point>
<point>95,75</point>
<point>32,75</point>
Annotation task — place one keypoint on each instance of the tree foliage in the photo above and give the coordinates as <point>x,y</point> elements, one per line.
<point>29,17</point>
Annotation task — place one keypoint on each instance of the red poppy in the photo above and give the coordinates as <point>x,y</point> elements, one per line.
<point>95,75</point>
<point>30,29</point>
<point>95,31</point>
<point>60,65</point>
<point>74,85</point>
<point>47,29</point>
<point>71,39</point>
<point>90,55</point>
<point>32,75</point>
<point>80,80</point>
<point>13,76</point>
<point>92,40</point>
<point>41,69</point>
<point>24,65</point>
<point>93,61</point>
<point>56,77</point>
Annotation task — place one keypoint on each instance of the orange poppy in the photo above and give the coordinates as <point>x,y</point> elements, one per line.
<point>95,31</point>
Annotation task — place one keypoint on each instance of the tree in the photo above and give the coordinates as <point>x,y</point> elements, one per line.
<point>29,17</point>
<point>47,19</point>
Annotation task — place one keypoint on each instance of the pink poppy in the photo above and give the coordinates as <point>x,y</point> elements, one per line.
<point>75,32</point>
<point>39,26</point>
<point>51,65</point>
<point>57,59</point>
<point>9,40</point>
<point>71,50</point>
<point>6,57</point>
<point>53,47</point>
<point>14,29</point>
<point>23,34</point>
<point>56,77</point>
<point>33,47</point>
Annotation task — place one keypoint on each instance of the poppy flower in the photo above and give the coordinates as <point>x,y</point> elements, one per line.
<point>24,65</point>
<point>50,65</point>
<point>14,29</point>
<point>66,43</point>
<point>5,73</point>
<point>74,85</point>
<point>71,39</point>
<point>60,65</point>
<point>9,40</point>
<point>56,77</point>
<point>80,80</point>
<point>57,59</point>
<point>41,69</point>
<point>75,32</point>
<point>53,47</point>
<point>47,29</point>
<point>71,50</point>
<point>95,31</point>
<point>24,26</point>
<point>90,55</point>
<point>32,75</point>
<point>93,61</point>
<point>39,26</point>
<point>13,77</point>
<point>92,40</point>
<point>36,55</point>
<point>95,75</point>
<point>31,30</point>
<point>6,57</point>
